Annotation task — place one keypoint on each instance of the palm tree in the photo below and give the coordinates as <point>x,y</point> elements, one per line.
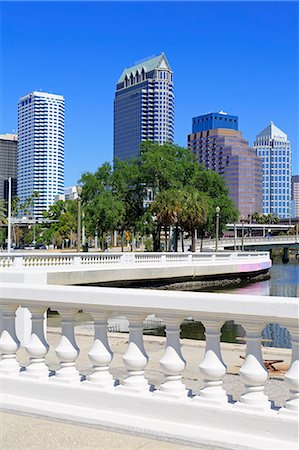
<point>194,212</point>
<point>167,207</point>
<point>3,219</point>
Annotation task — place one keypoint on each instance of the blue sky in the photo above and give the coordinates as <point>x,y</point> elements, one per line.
<point>240,57</point>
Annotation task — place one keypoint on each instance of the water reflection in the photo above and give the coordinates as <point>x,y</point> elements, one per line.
<point>277,336</point>
<point>284,282</point>
<point>195,330</point>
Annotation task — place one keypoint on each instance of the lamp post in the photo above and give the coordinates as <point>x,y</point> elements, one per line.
<point>242,248</point>
<point>79,192</point>
<point>235,237</point>
<point>217,227</point>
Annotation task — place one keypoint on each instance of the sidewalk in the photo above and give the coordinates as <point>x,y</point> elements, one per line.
<point>19,432</point>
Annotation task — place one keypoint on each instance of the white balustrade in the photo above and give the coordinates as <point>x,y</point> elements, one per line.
<point>135,358</point>
<point>9,342</point>
<point>292,376</point>
<point>67,350</point>
<point>100,354</point>
<point>172,362</point>
<point>37,348</point>
<point>169,409</point>
<point>253,371</point>
<point>48,260</point>
<point>212,367</point>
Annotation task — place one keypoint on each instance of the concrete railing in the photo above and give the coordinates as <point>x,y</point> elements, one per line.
<point>252,240</point>
<point>39,260</point>
<point>206,416</point>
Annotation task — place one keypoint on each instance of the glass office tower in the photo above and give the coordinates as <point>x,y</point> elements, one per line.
<point>220,146</point>
<point>40,149</point>
<point>273,147</point>
<point>143,107</point>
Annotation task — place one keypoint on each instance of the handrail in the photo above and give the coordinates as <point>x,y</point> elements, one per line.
<point>39,259</point>
<point>206,415</point>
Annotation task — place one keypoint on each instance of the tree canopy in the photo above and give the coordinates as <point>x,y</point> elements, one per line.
<point>183,194</point>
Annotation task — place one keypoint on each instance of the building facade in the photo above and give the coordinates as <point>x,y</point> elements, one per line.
<point>273,147</point>
<point>224,150</point>
<point>295,195</point>
<point>70,193</point>
<point>143,107</point>
<point>8,164</point>
<point>40,149</point>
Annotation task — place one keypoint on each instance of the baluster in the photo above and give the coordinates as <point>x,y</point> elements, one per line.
<point>253,371</point>
<point>135,358</point>
<point>9,342</point>
<point>67,350</point>
<point>37,347</point>
<point>292,376</point>
<point>172,362</point>
<point>100,354</point>
<point>212,367</point>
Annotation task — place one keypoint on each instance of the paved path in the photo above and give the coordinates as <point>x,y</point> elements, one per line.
<point>19,432</point>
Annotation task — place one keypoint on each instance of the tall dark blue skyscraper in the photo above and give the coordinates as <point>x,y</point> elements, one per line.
<point>143,106</point>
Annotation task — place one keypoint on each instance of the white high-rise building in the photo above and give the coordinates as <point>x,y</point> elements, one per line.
<point>40,149</point>
<point>273,146</point>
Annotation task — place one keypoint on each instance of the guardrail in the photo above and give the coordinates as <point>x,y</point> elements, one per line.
<point>207,415</point>
<point>27,260</point>
<point>252,240</point>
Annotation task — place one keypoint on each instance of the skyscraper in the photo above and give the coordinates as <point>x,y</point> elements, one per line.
<point>219,146</point>
<point>295,195</point>
<point>143,106</point>
<point>40,149</point>
<point>273,147</point>
<point>8,164</point>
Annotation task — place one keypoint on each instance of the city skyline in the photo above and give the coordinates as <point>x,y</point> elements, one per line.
<point>221,54</point>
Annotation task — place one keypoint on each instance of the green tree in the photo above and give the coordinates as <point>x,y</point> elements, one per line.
<point>166,166</point>
<point>2,236</point>
<point>62,216</point>
<point>264,218</point>
<point>3,211</point>
<point>194,212</point>
<point>166,208</point>
<point>104,213</point>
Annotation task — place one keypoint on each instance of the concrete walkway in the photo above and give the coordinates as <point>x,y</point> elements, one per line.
<point>30,433</point>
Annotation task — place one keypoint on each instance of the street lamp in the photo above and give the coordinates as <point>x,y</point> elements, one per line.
<point>217,209</point>
<point>8,215</point>
<point>79,192</point>
<point>242,236</point>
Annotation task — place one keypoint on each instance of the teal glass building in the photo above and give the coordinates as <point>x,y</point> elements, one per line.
<point>143,107</point>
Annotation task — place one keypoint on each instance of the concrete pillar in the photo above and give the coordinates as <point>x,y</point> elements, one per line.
<point>285,255</point>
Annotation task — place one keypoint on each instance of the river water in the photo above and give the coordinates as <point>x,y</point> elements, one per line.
<point>284,282</point>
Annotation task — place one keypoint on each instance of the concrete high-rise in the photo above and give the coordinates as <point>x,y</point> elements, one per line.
<point>295,195</point>
<point>40,149</point>
<point>273,147</point>
<point>143,107</point>
<point>8,164</point>
<point>219,146</point>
